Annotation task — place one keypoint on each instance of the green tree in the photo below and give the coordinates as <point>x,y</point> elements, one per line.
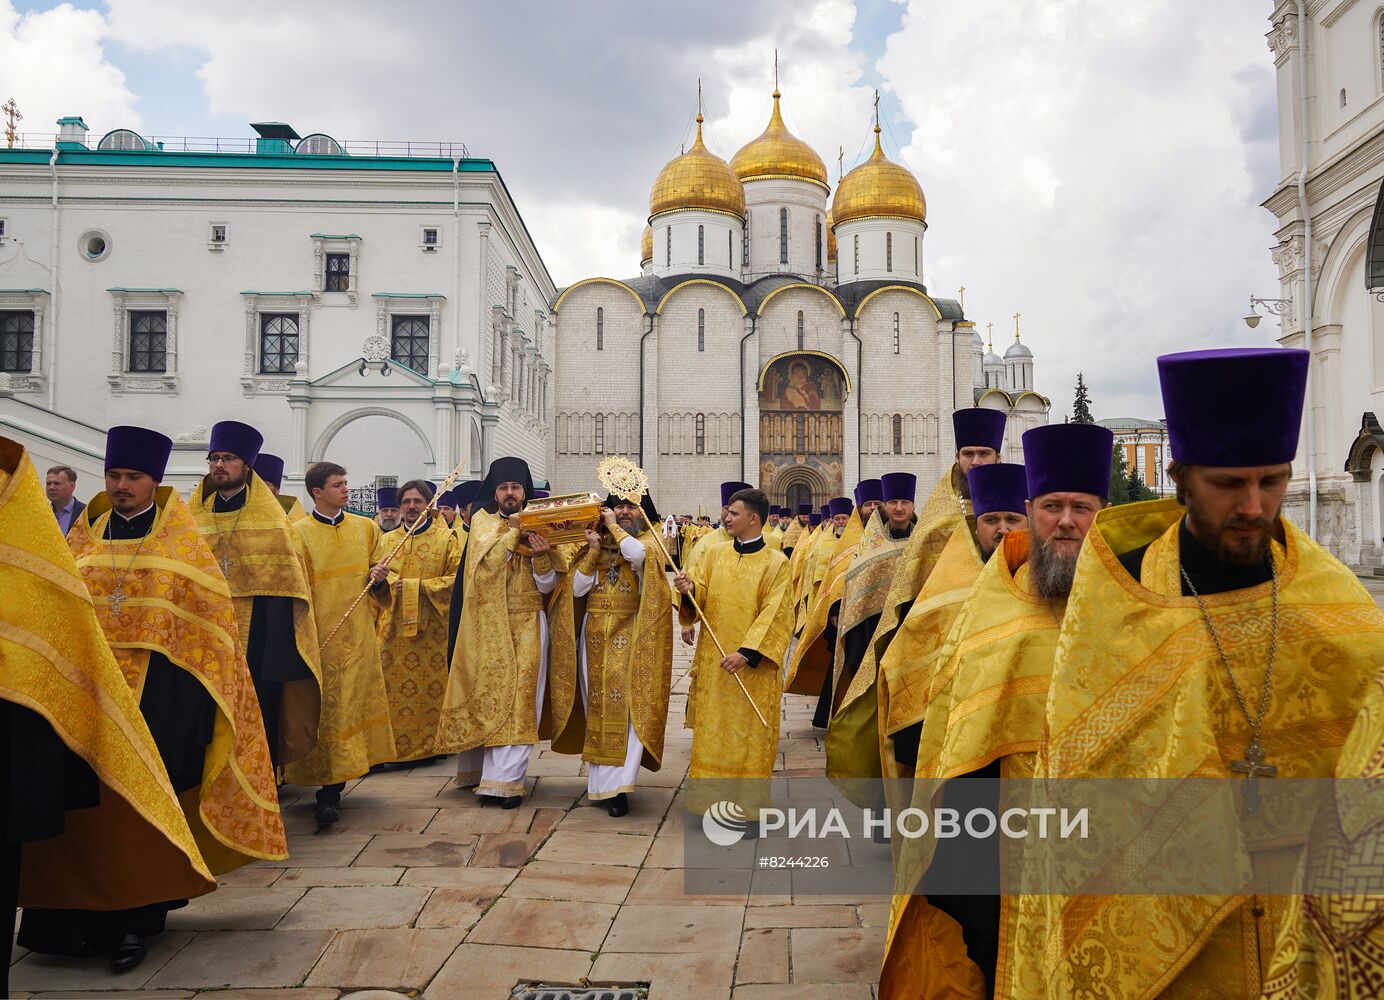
<point>1081,409</point>
<point>1137,490</point>
<point>1119,477</point>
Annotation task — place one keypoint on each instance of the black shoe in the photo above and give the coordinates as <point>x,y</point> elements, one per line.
<point>129,952</point>
<point>619,806</point>
<point>328,813</point>
<point>510,801</point>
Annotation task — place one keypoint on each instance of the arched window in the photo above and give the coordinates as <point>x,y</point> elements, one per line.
<point>730,248</point>
<point>915,256</point>
<point>701,433</point>
<point>600,328</point>
<point>898,433</point>
<point>857,253</point>
<point>801,435</point>
<point>701,244</point>
<point>745,243</point>
<point>896,333</point>
<point>783,236</point>
<point>701,329</point>
<point>600,434</point>
<point>889,251</point>
<point>668,246</point>
<point>800,329</point>
<point>819,242</point>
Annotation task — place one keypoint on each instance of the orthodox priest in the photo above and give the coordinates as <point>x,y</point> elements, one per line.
<point>270,468</point>
<point>261,557</point>
<point>743,589</point>
<point>387,508</point>
<point>499,641</point>
<point>344,553</point>
<point>465,498</point>
<point>984,718</point>
<point>852,736</point>
<point>167,615</point>
<point>979,435</point>
<point>620,597</point>
<point>793,533</point>
<point>412,627</point>
<point>998,495</point>
<point>1243,647</point>
<point>88,819</point>
<point>809,669</point>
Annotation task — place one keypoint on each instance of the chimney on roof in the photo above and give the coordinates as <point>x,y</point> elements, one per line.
<point>274,137</point>
<point>72,132</point>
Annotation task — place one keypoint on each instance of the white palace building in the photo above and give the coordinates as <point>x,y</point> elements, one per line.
<point>381,304</point>
<point>779,333</point>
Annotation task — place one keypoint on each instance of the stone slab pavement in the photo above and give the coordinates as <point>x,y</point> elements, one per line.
<point>421,891</point>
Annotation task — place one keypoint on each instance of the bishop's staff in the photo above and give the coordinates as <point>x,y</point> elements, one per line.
<point>408,533</point>
<point>626,480</point>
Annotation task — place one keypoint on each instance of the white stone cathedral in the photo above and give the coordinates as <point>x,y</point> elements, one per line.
<point>778,335</point>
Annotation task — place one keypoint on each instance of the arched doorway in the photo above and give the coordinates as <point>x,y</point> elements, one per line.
<point>801,396</point>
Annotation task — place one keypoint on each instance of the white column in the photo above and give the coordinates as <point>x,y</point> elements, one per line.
<point>749,406</point>
<point>850,411</point>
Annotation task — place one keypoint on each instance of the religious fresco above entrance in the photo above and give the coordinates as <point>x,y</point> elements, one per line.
<point>802,382</point>
<point>801,433</point>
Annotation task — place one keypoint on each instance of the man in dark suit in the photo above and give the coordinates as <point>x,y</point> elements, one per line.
<point>61,482</point>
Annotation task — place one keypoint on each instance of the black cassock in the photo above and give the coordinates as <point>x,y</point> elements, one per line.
<point>180,715</point>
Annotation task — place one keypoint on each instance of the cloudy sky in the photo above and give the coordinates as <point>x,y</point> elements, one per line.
<point>1096,166</point>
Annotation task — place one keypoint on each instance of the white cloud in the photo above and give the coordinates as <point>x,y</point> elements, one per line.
<point>53,64</point>
<point>1093,166</point>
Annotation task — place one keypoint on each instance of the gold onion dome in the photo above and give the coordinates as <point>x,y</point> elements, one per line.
<point>831,237</point>
<point>878,188</point>
<point>779,153</point>
<point>646,245</point>
<point>697,179</point>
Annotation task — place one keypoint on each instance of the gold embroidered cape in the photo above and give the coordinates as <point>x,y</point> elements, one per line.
<point>987,703</point>
<point>1333,945</point>
<point>179,605</point>
<point>747,601</point>
<point>354,733</point>
<point>800,558</point>
<point>910,661</point>
<point>1138,690</point>
<point>629,658</point>
<point>412,632</point>
<point>263,557</point>
<point>852,740</point>
<point>57,663</point>
<point>792,535</point>
<point>292,508</point>
<point>812,656</point>
<point>936,519</point>
<point>493,683</point>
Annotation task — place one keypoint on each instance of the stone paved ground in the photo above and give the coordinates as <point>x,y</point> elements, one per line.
<point>420,890</point>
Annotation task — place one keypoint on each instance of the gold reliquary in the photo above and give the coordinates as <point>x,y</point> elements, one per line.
<point>561,519</point>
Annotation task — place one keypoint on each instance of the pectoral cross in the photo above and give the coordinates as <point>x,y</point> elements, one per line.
<point>1254,768</point>
<point>117,598</point>
<point>225,563</point>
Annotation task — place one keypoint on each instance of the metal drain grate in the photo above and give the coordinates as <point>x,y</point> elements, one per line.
<point>544,991</point>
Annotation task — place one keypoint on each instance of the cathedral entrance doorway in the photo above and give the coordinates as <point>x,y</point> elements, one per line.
<point>801,396</point>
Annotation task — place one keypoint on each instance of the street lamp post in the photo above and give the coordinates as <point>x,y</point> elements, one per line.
<point>1274,307</point>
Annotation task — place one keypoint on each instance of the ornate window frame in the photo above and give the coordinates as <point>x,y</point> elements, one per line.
<point>123,302</point>
<point>252,382</point>
<point>34,300</point>
<point>379,346</point>
<point>325,243</point>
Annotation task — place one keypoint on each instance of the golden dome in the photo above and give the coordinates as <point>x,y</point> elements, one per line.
<point>831,238</point>
<point>878,187</point>
<point>697,179</point>
<point>779,153</point>
<point>646,245</point>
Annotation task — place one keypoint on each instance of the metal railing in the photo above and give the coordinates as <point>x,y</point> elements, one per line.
<point>432,149</point>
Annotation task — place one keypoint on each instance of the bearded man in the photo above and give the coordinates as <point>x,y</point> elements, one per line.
<point>620,599</point>
<point>984,718</point>
<point>1241,651</point>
